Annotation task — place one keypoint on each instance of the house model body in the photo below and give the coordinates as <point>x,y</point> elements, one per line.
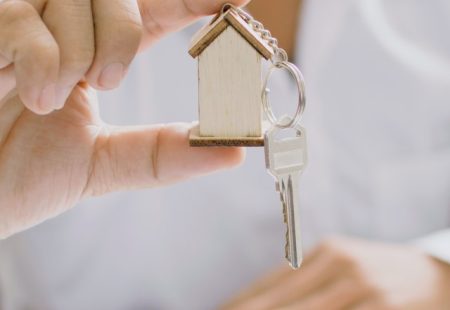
<point>229,56</point>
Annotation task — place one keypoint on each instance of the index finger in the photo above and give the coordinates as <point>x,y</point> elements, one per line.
<point>163,16</point>
<point>27,43</point>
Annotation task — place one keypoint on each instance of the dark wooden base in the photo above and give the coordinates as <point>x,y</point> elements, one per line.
<point>196,140</point>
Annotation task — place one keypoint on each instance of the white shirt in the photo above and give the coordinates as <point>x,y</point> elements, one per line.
<point>378,121</point>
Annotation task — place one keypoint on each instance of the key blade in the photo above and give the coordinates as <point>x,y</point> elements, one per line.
<point>294,227</point>
<point>285,161</point>
<point>282,191</point>
<point>291,216</point>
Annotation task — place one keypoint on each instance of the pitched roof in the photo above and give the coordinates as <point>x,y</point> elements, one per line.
<point>221,22</point>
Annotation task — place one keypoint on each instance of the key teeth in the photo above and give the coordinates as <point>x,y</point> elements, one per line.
<point>281,188</point>
<point>286,246</point>
<point>283,202</point>
<point>277,187</point>
<point>293,262</point>
<point>284,208</point>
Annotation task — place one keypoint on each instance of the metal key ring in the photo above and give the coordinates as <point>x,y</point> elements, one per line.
<point>297,75</point>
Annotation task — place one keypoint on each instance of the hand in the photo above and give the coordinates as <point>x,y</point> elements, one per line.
<point>49,162</point>
<point>47,57</point>
<point>354,274</point>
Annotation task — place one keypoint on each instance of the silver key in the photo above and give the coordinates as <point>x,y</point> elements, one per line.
<point>285,161</point>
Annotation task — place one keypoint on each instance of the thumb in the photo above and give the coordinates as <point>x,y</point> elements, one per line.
<point>141,157</point>
<point>162,17</point>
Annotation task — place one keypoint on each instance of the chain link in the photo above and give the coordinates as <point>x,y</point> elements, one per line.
<point>280,54</point>
<point>280,60</point>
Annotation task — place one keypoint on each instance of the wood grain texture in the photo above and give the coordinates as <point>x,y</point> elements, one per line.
<point>249,34</point>
<point>212,31</point>
<point>230,88</point>
<point>205,36</point>
<point>196,140</point>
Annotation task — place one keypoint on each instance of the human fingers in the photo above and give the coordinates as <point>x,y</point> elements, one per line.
<point>259,287</point>
<point>268,281</point>
<point>71,24</point>
<point>371,304</point>
<point>26,42</point>
<point>142,157</point>
<point>339,294</point>
<point>313,275</point>
<point>118,32</point>
<point>163,16</point>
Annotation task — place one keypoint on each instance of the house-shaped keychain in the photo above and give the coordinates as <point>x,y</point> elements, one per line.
<point>229,56</point>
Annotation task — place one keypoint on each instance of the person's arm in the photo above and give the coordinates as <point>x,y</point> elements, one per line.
<point>344,273</point>
<point>48,46</point>
<point>49,162</point>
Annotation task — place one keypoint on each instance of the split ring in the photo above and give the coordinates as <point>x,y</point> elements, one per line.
<point>298,77</point>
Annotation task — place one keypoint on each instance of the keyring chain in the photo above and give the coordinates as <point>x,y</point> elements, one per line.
<point>279,53</point>
<point>280,60</point>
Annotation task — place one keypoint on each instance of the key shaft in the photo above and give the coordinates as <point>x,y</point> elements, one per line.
<point>289,194</point>
<point>285,161</point>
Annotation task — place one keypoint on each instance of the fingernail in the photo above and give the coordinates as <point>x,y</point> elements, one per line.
<point>111,75</point>
<point>47,99</point>
<point>62,95</point>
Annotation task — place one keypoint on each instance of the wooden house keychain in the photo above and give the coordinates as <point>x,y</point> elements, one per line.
<point>233,99</point>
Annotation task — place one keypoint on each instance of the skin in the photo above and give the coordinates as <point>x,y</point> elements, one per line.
<point>50,160</point>
<point>48,46</point>
<point>281,19</point>
<point>344,273</point>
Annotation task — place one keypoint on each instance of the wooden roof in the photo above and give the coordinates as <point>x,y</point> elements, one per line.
<point>221,22</point>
